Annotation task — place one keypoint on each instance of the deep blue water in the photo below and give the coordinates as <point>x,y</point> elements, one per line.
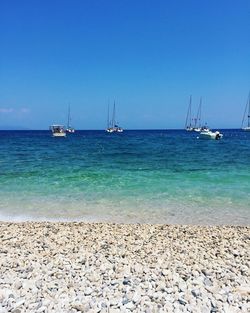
<point>153,176</point>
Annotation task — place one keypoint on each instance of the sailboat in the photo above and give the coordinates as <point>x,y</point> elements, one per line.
<point>197,120</point>
<point>112,126</point>
<point>188,124</point>
<point>194,124</point>
<point>246,116</point>
<point>69,128</point>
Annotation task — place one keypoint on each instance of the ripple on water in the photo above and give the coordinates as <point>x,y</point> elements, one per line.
<point>140,176</point>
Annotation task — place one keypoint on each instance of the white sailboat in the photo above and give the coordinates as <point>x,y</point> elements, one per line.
<point>197,119</point>
<point>198,127</point>
<point>69,128</point>
<point>245,125</point>
<point>188,124</point>
<point>194,124</point>
<point>112,125</point>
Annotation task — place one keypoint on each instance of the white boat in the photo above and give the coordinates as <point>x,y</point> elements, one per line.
<point>205,128</point>
<point>58,130</point>
<point>245,125</point>
<point>112,125</point>
<point>202,128</point>
<point>69,128</point>
<point>188,124</point>
<point>194,124</point>
<point>208,134</point>
<point>197,119</point>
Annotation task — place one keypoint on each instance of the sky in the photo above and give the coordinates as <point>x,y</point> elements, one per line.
<point>148,56</point>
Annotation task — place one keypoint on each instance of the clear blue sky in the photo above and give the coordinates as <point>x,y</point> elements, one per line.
<point>147,55</point>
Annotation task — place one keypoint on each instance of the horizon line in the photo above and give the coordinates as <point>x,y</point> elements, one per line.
<point>128,129</point>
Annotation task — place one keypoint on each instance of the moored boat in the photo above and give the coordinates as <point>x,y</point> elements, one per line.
<point>245,125</point>
<point>208,134</point>
<point>188,125</point>
<point>69,128</point>
<point>112,126</point>
<point>58,130</point>
<point>194,123</point>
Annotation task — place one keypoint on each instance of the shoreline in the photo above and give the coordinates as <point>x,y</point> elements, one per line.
<point>109,267</point>
<point>17,219</point>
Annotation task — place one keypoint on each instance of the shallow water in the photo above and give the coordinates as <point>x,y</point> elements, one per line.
<point>138,176</point>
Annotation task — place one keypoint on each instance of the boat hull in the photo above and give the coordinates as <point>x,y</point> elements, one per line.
<point>109,130</point>
<point>114,130</point>
<point>246,129</point>
<point>58,130</point>
<point>70,130</point>
<point>210,135</point>
<point>59,134</point>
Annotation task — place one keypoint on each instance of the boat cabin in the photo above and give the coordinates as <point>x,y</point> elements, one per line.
<point>58,130</point>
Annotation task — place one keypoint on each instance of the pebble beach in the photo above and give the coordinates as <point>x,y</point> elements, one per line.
<point>101,267</point>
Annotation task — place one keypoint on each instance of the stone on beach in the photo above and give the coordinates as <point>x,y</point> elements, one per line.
<point>78,267</point>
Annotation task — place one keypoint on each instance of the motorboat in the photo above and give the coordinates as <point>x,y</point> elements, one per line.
<point>208,134</point>
<point>58,130</point>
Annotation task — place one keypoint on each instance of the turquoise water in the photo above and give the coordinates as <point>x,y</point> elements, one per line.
<point>137,176</point>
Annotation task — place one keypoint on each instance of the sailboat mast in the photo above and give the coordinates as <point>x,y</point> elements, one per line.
<point>108,121</point>
<point>199,113</point>
<point>68,117</point>
<point>246,113</point>
<point>248,110</point>
<point>188,118</point>
<point>113,119</point>
<point>190,123</point>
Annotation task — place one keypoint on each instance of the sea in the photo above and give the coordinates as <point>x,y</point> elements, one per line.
<point>138,176</point>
